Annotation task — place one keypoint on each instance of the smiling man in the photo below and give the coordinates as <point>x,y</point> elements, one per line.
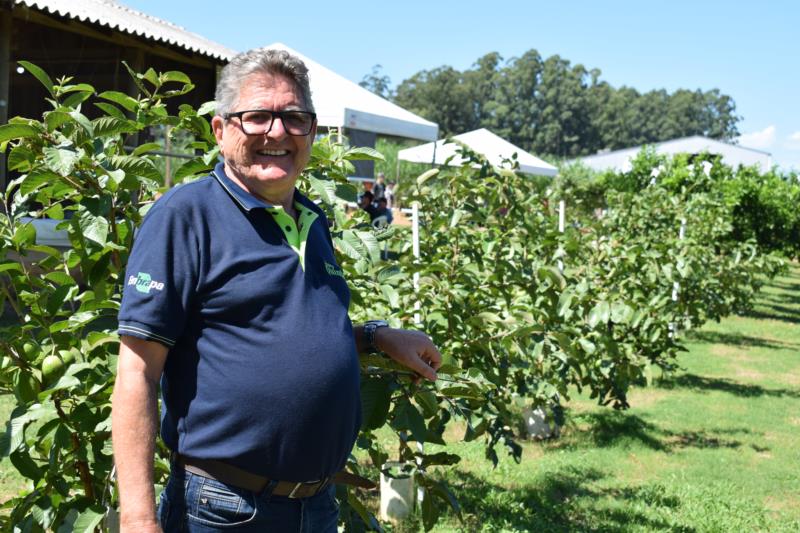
<point>244,322</point>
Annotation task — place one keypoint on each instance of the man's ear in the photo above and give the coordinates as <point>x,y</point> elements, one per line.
<point>218,127</point>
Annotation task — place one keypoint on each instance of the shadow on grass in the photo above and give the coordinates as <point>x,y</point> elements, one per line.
<point>774,312</point>
<point>705,384</point>
<point>609,429</point>
<point>735,339</point>
<point>564,501</point>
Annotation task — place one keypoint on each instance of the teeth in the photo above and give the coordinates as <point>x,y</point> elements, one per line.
<point>273,152</point>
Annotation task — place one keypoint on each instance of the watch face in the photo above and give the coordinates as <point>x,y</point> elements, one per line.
<point>378,323</point>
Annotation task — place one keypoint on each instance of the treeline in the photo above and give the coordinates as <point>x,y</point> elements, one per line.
<point>551,107</point>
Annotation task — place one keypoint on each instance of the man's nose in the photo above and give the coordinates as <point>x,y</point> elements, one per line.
<point>277,129</point>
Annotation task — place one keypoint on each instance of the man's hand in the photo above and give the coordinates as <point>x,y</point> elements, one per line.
<point>410,348</point>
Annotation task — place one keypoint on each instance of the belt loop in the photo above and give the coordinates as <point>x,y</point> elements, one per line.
<point>266,494</point>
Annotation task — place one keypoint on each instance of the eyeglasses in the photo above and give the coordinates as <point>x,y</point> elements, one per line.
<point>260,121</point>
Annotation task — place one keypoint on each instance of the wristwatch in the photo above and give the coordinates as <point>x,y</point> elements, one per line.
<point>370,327</point>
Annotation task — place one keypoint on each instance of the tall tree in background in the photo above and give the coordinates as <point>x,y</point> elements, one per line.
<point>377,82</point>
<point>549,106</point>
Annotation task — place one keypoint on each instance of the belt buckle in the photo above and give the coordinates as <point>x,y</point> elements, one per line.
<point>320,484</point>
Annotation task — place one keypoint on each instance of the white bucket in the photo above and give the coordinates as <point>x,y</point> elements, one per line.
<point>537,425</point>
<point>397,494</point>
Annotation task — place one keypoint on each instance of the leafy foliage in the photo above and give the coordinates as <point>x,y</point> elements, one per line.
<point>515,327</point>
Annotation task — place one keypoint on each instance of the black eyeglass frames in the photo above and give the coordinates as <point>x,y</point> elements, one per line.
<point>260,121</point>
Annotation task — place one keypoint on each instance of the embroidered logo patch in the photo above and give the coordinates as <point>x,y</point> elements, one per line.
<point>333,270</point>
<point>144,283</point>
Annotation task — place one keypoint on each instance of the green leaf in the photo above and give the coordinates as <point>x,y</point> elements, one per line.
<point>88,520</point>
<point>24,235</point>
<point>36,179</point>
<point>430,513</point>
<point>176,76</point>
<point>363,153</point>
<point>94,228</point>
<point>61,160</point>
<point>456,217</point>
<point>17,131</point>
<point>192,167</point>
<point>360,509</point>
<point>325,189</point>
<point>346,192</point>
<point>55,119</point>
<point>407,417</point>
<point>621,313</point>
<point>25,465</point>
<point>588,346</point>
<point>428,401</point>
<point>375,402</point>
<point>20,159</point>
<point>122,99</point>
<point>77,98</point>
<point>208,108</point>
<point>110,126</point>
<point>425,176</point>
<point>84,122</point>
<point>391,295</point>
<point>40,75</point>
<point>146,147</point>
<point>111,110</point>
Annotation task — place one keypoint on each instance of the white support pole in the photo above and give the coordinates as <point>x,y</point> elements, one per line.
<point>415,251</point>
<point>417,318</point>
<point>676,286</point>
<point>562,223</point>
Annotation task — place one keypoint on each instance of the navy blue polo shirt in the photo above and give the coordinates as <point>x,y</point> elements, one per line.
<point>262,370</point>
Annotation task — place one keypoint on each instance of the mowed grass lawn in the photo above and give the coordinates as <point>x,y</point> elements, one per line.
<point>715,447</point>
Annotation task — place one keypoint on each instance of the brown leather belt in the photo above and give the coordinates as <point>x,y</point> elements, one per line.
<point>232,475</point>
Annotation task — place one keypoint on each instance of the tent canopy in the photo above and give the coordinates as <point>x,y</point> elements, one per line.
<point>734,155</point>
<point>495,149</point>
<point>341,103</point>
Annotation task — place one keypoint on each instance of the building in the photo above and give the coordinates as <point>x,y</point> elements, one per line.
<point>732,154</point>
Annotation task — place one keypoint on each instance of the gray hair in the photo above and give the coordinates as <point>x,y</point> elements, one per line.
<point>260,61</point>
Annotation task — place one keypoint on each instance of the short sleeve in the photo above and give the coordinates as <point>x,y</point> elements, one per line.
<point>161,277</point>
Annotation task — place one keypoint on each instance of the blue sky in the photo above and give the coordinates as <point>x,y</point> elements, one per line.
<point>748,50</point>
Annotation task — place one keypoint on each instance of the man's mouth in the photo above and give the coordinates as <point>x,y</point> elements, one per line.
<point>272,152</point>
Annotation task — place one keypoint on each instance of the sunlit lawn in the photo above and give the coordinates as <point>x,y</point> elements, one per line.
<point>715,447</point>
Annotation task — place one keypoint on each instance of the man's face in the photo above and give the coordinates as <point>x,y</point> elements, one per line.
<point>265,165</point>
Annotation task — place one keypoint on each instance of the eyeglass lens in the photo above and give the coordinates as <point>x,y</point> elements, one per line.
<point>260,122</point>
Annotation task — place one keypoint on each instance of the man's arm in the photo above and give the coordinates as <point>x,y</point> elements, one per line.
<point>134,419</point>
<point>410,348</point>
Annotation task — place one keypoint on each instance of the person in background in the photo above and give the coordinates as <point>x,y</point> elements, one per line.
<point>367,203</point>
<point>383,210</point>
<point>389,194</point>
<point>379,188</point>
<point>234,301</point>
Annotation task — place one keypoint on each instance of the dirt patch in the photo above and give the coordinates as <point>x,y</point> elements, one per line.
<point>786,502</point>
<point>644,398</point>
<point>748,374</point>
<point>795,421</point>
<point>725,350</point>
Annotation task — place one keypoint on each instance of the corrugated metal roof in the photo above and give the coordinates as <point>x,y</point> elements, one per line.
<point>732,154</point>
<point>114,15</point>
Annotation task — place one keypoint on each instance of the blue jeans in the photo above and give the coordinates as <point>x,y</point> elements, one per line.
<point>196,504</point>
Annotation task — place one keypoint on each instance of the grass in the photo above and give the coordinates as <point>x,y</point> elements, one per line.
<point>713,448</point>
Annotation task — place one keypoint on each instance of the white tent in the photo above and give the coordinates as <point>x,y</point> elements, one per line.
<point>495,149</point>
<point>341,103</point>
<point>734,155</point>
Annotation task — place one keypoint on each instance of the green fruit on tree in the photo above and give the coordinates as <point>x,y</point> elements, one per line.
<point>5,369</point>
<point>26,387</point>
<point>30,350</point>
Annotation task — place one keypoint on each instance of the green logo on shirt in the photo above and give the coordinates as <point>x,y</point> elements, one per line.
<point>144,283</point>
<point>333,270</point>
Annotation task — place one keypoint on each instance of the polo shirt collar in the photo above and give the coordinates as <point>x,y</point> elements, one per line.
<point>246,201</point>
